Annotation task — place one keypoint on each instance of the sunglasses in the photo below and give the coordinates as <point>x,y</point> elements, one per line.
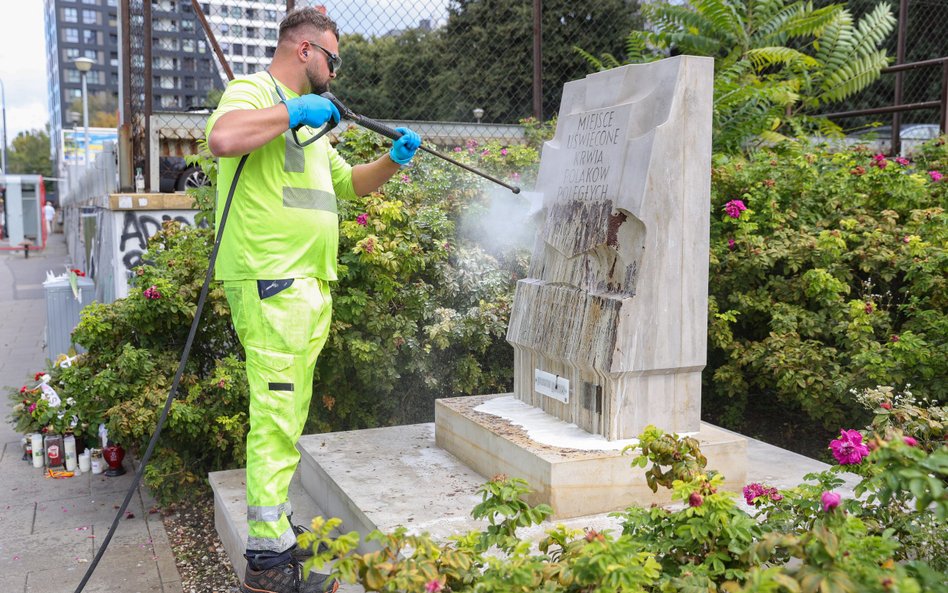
<point>335,62</point>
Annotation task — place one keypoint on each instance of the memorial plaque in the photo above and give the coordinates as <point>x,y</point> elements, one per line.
<point>615,304</point>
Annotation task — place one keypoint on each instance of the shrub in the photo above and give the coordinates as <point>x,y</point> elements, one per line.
<point>420,311</point>
<point>133,346</point>
<point>832,278</point>
<point>421,307</point>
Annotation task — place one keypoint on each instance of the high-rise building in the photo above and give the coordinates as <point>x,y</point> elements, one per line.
<point>79,28</point>
<point>184,68</point>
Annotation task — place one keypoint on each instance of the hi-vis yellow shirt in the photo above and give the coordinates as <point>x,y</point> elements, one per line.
<point>282,221</point>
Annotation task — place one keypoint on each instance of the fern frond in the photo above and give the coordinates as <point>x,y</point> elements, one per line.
<point>724,16</point>
<point>773,30</point>
<point>763,11</point>
<point>592,60</point>
<point>669,19</point>
<point>764,57</point>
<point>836,42</point>
<point>813,23</point>
<point>874,28</point>
<point>694,44</point>
<point>853,77</point>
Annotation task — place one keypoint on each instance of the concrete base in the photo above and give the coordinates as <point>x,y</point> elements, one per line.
<point>589,477</point>
<point>385,477</point>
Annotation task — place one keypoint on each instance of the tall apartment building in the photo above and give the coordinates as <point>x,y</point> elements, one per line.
<point>184,67</point>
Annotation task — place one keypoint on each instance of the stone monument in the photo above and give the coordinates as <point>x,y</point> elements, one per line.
<point>610,328</point>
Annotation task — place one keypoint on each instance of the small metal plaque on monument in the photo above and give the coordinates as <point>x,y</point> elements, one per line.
<point>609,329</point>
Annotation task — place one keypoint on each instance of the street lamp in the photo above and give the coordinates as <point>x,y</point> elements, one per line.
<point>83,65</point>
<point>478,114</point>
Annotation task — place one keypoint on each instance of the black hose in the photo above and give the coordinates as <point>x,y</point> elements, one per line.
<point>380,128</point>
<point>174,384</point>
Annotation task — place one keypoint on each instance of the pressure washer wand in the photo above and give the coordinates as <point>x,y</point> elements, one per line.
<point>380,128</point>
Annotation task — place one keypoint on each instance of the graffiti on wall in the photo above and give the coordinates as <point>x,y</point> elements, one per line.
<point>138,226</point>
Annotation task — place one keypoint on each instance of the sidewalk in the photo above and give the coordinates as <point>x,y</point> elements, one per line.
<point>50,529</point>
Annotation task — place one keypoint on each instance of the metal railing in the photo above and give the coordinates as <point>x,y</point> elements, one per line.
<point>898,107</point>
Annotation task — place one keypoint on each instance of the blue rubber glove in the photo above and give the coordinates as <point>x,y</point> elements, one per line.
<point>311,110</point>
<point>404,148</point>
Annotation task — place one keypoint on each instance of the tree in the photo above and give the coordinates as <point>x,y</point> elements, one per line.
<point>776,63</point>
<point>29,154</point>
<point>481,58</point>
<point>103,110</point>
<point>487,52</point>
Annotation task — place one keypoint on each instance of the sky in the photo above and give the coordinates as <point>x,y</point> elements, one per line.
<point>23,66</point>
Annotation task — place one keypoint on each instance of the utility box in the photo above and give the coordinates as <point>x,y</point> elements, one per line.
<point>25,198</point>
<point>62,312</point>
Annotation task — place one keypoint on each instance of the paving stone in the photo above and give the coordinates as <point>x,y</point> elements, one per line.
<point>50,529</point>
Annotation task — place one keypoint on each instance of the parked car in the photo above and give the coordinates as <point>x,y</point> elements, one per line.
<point>880,137</point>
<point>174,174</point>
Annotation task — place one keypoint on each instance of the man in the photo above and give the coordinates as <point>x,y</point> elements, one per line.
<point>277,256</point>
<point>49,213</point>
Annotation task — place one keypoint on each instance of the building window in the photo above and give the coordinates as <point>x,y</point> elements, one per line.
<point>187,25</point>
<point>90,17</point>
<point>70,15</point>
<point>93,2</point>
<point>270,34</point>
<point>88,36</point>
<point>251,32</point>
<point>71,35</point>
<point>91,54</point>
<point>202,47</point>
<point>238,49</point>
<point>72,75</point>
<point>236,12</point>
<point>237,30</point>
<point>187,45</point>
<point>113,59</point>
<point>71,54</point>
<point>238,67</point>
<point>270,16</point>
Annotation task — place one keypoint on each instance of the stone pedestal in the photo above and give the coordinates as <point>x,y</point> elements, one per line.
<point>586,476</point>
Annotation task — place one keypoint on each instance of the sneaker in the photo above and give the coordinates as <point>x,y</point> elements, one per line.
<point>286,578</point>
<point>298,551</point>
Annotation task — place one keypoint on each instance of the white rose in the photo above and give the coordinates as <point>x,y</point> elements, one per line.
<point>45,378</point>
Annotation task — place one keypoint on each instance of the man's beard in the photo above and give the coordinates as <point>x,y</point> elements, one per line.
<point>319,87</point>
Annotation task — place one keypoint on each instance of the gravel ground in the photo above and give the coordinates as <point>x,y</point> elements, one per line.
<point>198,552</point>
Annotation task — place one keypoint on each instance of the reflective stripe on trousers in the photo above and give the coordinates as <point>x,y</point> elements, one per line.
<point>282,335</point>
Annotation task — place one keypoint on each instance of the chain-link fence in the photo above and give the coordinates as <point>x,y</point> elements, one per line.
<point>922,25</point>
<point>467,64</point>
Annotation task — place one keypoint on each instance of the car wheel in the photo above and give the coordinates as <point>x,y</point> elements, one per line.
<point>192,177</point>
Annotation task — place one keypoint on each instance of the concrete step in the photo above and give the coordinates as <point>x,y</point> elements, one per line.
<point>385,477</point>
<point>230,514</point>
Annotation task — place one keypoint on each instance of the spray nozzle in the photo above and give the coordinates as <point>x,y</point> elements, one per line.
<point>343,110</point>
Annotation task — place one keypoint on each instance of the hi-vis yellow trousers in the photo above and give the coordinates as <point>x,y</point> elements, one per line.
<point>282,325</point>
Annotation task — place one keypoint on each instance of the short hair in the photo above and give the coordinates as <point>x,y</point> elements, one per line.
<point>307,16</point>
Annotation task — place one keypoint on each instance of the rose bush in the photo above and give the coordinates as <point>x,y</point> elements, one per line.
<point>886,536</point>
<point>833,277</point>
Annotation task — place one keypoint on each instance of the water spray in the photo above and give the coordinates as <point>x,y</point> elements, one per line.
<point>380,128</point>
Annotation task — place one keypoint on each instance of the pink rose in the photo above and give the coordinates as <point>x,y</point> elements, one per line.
<point>830,500</point>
